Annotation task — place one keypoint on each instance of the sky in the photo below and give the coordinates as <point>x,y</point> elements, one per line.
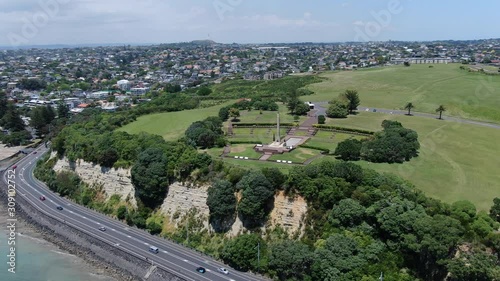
<point>47,22</point>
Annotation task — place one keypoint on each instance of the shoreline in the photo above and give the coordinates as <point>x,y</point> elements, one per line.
<point>56,245</point>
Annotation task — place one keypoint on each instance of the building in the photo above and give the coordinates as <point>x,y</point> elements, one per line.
<point>124,85</point>
<point>139,91</point>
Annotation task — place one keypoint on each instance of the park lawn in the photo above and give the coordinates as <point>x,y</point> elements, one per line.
<point>329,142</point>
<point>257,165</point>
<point>264,135</point>
<point>171,125</point>
<point>215,152</point>
<point>464,94</point>
<point>245,150</point>
<point>255,116</point>
<point>298,155</point>
<point>457,161</point>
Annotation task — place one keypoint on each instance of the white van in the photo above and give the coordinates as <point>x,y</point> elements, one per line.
<point>153,249</point>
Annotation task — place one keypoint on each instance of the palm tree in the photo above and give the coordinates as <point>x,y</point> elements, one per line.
<point>409,106</point>
<point>440,109</point>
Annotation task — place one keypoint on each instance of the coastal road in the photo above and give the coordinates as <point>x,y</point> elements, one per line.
<point>321,109</point>
<point>174,257</point>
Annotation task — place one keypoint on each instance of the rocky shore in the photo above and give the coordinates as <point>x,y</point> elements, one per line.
<point>100,256</point>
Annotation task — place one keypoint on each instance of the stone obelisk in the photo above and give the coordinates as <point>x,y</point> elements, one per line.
<point>278,127</point>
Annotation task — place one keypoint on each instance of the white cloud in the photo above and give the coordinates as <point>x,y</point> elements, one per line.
<point>359,23</point>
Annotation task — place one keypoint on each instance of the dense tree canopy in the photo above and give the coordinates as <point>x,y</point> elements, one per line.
<point>221,202</point>
<point>257,192</point>
<point>149,176</point>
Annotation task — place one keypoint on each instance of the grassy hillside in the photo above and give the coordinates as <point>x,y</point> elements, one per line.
<point>465,94</point>
<point>456,162</point>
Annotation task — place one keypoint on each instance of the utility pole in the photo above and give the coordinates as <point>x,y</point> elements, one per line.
<point>258,257</point>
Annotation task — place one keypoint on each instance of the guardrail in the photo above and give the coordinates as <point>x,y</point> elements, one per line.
<point>77,228</point>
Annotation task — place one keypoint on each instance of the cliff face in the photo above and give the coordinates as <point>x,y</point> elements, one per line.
<point>288,212</point>
<point>114,181</point>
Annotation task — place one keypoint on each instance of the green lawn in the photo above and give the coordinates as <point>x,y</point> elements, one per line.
<point>256,164</point>
<point>457,161</point>
<point>324,139</point>
<point>298,155</point>
<point>244,150</point>
<point>464,94</point>
<point>264,135</point>
<point>171,125</point>
<point>255,116</point>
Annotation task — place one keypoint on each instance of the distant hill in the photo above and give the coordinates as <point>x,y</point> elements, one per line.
<point>203,42</point>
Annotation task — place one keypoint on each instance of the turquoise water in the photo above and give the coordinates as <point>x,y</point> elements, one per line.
<point>37,260</point>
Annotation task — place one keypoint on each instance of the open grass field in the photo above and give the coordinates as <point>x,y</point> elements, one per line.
<point>330,140</point>
<point>245,150</point>
<point>464,94</point>
<point>254,116</point>
<point>457,161</point>
<point>264,135</point>
<point>171,125</point>
<point>298,155</point>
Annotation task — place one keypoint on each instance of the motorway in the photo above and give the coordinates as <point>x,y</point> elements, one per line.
<point>171,256</point>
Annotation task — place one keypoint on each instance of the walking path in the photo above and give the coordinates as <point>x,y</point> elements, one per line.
<point>321,110</point>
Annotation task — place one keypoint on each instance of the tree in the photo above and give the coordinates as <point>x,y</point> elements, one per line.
<point>292,101</point>
<point>257,192</point>
<point>409,106</point>
<point>149,176</point>
<point>478,266</point>
<point>495,210</point>
<point>301,109</point>
<point>337,109</point>
<point>321,119</point>
<point>62,110</point>
<point>3,104</point>
<point>204,91</point>
<point>224,113</point>
<point>353,100</point>
<point>290,259</point>
<point>348,212</point>
<point>11,119</point>
<point>241,252</point>
<point>274,176</point>
<point>440,109</point>
<point>121,212</point>
<point>234,113</point>
<point>349,149</point>
<point>221,202</point>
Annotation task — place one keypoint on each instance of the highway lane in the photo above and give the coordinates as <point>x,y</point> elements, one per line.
<point>171,255</point>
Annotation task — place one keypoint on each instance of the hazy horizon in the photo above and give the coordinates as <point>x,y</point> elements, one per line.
<point>92,22</point>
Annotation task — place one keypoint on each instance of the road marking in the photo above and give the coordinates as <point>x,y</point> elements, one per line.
<point>71,212</point>
<point>185,260</point>
<point>113,229</point>
<point>51,201</point>
<point>84,217</point>
<point>98,223</point>
<point>129,236</point>
<point>165,252</point>
<point>126,228</point>
<point>69,204</point>
<point>146,243</point>
<point>117,244</point>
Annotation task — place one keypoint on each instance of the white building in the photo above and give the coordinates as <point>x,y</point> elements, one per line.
<point>124,85</point>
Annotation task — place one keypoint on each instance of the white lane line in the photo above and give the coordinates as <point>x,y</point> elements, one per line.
<point>129,236</point>
<point>113,229</point>
<point>84,217</point>
<point>165,252</point>
<point>51,201</point>
<point>146,243</point>
<point>185,260</point>
<point>71,212</point>
<point>98,223</point>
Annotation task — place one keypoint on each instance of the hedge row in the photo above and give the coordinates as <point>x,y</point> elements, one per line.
<point>337,128</point>
<point>243,125</point>
<point>245,142</point>
<point>325,150</point>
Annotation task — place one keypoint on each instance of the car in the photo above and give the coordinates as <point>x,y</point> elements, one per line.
<point>14,167</point>
<point>42,198</point>
<point>59,208</point>
<point>223,270</point>
<point>201,269</point>
<point>102,228</point>
<point>34,152</point>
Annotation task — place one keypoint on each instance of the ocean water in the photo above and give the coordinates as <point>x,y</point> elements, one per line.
<point>38,260</point>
